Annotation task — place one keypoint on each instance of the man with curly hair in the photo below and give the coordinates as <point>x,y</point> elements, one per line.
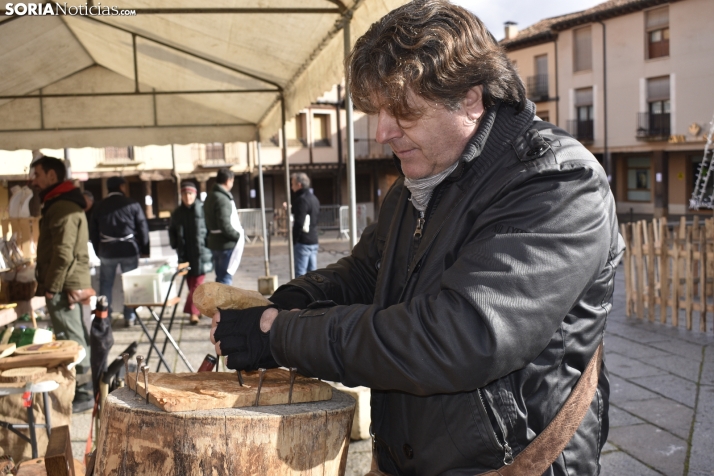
<point>475,307</point>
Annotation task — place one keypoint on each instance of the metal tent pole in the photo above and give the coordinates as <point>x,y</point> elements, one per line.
<point>350,129</point>
<point>262,206</point>
<point>291,252</point>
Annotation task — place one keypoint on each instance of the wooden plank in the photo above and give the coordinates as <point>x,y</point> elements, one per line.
<point>214,390</point>
<point>703,281</point>
<point>639,267</point>
<point>625,230</point>
<point>689,276</point>
<point>676,287</point>
<point>58,459</point>
<point>664,278</point>
<point>649,241</point>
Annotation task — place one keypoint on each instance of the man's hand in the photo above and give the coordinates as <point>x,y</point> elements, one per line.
<point>49,296</point>
<point>243,337</point>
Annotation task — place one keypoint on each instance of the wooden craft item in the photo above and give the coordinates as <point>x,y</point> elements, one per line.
<point>7,349</point>
<point>49,359</point>
<point>58,458</point>
<point>36,467</point>
<point>22,374</point>
<point>54,346</point>
<point>209,297</point>
<point>301,439</point>
<point>213,390</point>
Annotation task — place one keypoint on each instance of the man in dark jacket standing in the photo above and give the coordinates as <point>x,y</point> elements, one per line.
<point>63,262</point>
<point>119,233</point>
<point>476,304</point>
<point>306,210</point>
<point>187,234</point>
<point>222,237</point>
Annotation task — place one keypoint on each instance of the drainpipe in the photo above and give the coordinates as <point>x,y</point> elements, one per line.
<point>605,153</point>
<point>557,93</point>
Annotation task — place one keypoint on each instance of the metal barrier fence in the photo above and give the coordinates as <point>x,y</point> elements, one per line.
<point>252,222</point>
<point>329,218</point>
<point>345,220</point>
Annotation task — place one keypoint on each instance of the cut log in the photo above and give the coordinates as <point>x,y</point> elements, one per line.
<point>212,390</point>
<point>299,439</point>
<point>209,297</point>
<point>22,374</point>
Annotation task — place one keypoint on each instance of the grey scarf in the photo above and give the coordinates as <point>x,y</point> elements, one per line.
<point>422,188</point>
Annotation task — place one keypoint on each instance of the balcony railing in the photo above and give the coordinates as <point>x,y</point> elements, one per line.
<point>537,87</point>
<point>371,149</point>
<point>653,126</point>
<point>581,130</point>
<point>118,154</point>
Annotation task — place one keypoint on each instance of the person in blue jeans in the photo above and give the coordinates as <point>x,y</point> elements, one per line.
<point>305,209</point>
<point>222,237</point>
<point>119,233</point>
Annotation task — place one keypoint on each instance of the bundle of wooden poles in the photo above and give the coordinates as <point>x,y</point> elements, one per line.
<point>670,268</point>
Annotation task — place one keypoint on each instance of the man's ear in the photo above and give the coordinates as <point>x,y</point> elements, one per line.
<point>473,103</point>
<point>52,176</point>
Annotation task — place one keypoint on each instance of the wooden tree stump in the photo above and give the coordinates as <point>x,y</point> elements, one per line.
<point>299,439</point>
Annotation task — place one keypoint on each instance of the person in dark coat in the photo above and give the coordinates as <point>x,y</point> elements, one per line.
<point>187,234</point>
<point>306,210</point>
<point>222,237</point>
<point>120,234</point>
<point>477,302</point>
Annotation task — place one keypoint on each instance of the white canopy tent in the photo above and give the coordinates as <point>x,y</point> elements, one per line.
<point>179,71</point>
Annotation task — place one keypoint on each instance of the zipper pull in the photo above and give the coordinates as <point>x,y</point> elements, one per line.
<point>508,456</point>
<point>419,226</point>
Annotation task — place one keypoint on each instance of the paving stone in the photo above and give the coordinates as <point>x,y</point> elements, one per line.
<point>701,460</point>
<point>670,386</point>
<point>619,464</point>
<point>631,348</point>
<point>680,347</point>
<point>680,366</point>
<point>619,417</point>
<point>608,448</point>
<point>708,366</point>
<point>359,458</point>
<point>664,413</point>
<point>628,367</point>
<point>655,448</point>
<point>642,331</point>
<point>623,391</point>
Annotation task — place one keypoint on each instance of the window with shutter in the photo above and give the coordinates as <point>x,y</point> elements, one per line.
<point>582,49</point>
<point>657,27</point>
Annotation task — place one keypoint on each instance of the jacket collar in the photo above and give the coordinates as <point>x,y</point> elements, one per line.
<point>56,190</point>
<point>219,188</point>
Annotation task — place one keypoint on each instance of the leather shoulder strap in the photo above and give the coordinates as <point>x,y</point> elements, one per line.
<point>546,447</point>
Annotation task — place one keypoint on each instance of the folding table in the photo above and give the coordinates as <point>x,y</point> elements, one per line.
<point>182,270</point>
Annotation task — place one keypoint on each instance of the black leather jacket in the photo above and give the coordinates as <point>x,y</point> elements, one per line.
<point>472,336</point>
